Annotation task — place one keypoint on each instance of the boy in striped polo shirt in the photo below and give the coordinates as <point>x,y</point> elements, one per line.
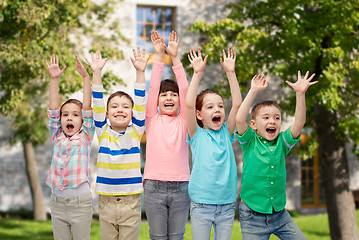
<point>119,180</point>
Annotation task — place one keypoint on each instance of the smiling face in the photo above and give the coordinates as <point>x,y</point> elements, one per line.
<point>267,122</point>
<point>212,112</point>
<point>119,112</point>
<point>168,102</point>
<point>71,118</point>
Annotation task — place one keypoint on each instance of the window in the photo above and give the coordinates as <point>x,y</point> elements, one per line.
<point>312,191</point>
<point>162,19</point>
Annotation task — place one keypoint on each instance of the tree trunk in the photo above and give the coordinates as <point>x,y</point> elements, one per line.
<point>35,185</point>
<point>335,176</point>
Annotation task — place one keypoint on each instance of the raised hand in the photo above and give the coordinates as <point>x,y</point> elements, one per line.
<point>173,41</point>
<point>80,68</point>
<point>53,67</point>
<point>97,62</point>
<point>197,63</point>
<point>158,43</point>
<point>302,84</point>
<point>228,62</point>
<point>139,60</point>
<point>258,83</point>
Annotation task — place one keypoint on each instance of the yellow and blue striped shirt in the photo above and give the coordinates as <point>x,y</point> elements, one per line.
<point>118,161</point>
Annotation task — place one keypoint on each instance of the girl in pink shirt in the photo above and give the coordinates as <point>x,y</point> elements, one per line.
<point>167,172</point>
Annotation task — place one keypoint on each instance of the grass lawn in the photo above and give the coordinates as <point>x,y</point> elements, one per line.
<point>314,228</point>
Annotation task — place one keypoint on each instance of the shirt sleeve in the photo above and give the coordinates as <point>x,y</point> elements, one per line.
<point>99,111</point>
<point>138,118</point>
<point>54,123</point>
<point>88,123</point>
<point>246,136</point>
<point>153,92</point>
<point>289,141</point>
<point>183,87</point>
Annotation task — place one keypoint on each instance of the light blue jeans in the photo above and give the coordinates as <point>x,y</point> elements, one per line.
<point>258,226</point>
<point>167,206</point>
<point>204,216</point>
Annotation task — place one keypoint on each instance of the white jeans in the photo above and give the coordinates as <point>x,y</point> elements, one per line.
<point>71,214</point>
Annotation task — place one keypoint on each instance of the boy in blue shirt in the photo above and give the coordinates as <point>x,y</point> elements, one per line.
<point>261,211</point>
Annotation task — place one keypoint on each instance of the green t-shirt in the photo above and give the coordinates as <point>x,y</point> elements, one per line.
<point>264,173</point>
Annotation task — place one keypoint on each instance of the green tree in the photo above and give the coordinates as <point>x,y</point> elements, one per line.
<point>282,37</point>
<point>31,31</point>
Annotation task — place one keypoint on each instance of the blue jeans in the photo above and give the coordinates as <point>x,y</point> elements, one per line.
<point>204,216</point>
<point>167,206</point>
<point>258,226</point>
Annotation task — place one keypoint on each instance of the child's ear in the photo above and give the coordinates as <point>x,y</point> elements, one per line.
<point>106,114</point>
<point>199,116</point>
<point>252,124</point>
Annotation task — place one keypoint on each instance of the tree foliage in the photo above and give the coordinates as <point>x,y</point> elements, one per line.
<point>282,37</point>
<point>31,31</point>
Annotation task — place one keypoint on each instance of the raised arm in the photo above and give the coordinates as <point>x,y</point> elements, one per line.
<point>258,84</point>
<point>55,73</point>
<point>86,102</point>
<point>228,64</point>
<point>139,61</point>
<point>198,66</point>
<point>172,48</point>
<point>96,65</point>
<point>157,68</point>
<point>300,87</point>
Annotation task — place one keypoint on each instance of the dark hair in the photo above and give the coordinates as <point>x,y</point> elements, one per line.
<point>199,101</point>
<point>71,100</point>
<point>120,94</point>
<point>168,85</point>
<point>266,103</point>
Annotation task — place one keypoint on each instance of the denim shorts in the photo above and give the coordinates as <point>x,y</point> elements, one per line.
<point>167,205</point>
<point>258,226</point>
<point>204,216</point>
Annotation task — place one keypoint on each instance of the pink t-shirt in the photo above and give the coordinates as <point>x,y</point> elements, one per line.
<point>166,148</point>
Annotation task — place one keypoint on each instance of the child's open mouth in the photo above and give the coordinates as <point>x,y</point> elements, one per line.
<point>169,105</point>
<point>216,120</point>
<point>70,127</point>
<point>270,130</point>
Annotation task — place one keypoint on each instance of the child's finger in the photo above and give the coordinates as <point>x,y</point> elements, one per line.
<point>306,75</point>
<point>199,52</point>
<point>205,59</point>
<point>63,69</point>
<point>148,58</point>
<point>144,52</point>
<point>311,77</point>
<point>57,60</point>
<point>299,75</point>
<point>134,52</point>
<point>47,64</point>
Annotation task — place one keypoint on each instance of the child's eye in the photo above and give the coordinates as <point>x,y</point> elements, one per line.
<point>175,94</point>
<point>221,106</point>
<point>65,115</point>
<point>265,117</point>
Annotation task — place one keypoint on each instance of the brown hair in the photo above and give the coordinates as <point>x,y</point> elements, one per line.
<point>119,94</point>
<point>169,85</point>
<point>71,100</point>
<point>199,101</point>
<point>266,103</point>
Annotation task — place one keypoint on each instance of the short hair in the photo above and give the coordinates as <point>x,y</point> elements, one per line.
<point>120,94</point>
<point>266,103</point>
<point>71,100</point>
<point>199,101</point>
<point>168,85</point>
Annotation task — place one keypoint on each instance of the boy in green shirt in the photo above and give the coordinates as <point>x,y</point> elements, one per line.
<point>261,211</point>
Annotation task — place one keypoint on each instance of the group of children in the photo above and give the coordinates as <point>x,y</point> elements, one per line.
<point>175,117</point>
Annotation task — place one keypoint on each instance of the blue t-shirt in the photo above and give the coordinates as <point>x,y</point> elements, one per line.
<point>214,174</point>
